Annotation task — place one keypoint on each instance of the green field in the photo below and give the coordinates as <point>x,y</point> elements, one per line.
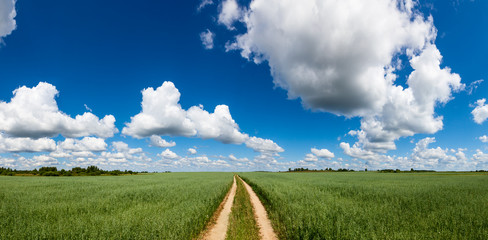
<point>152,206</point>
<point>370,205</point>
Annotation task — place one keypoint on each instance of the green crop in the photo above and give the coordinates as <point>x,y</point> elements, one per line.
<point>374,205</point>
<point>152,206</point>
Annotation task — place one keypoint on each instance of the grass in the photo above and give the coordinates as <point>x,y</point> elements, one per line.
<point>153,206</point>
<point>242,224</point>
<point>374,205</point>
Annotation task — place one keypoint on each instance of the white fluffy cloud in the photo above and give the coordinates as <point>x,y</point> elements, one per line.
<point>84,144</point>
<point>168,154</point>
<point>229,13</point>
<point>157,141</point>
<point>33,112</point>
<point>310,158</point>
<point>480,112</point>
<point>263,145</point>
<point>235,159</point>
<point>162,115</point>
<point>192,151</point>
<point>483,138</point>
<point>323,153</point>
<point>422,157</point>
<point>26,144</point>
<point>207,38</point>
<point>7,17</point>
<point>342,56</point>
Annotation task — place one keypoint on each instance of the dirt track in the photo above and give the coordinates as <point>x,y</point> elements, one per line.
<point>265,229</point>
<point>219,229</point>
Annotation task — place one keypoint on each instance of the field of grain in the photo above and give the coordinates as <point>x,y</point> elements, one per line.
<point>152,206</point>
<point>372,205</point>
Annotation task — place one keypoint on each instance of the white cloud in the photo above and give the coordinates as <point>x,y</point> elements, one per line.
<point>8,162</point>
<point>7,18</point>
<point>480,160</point>
<point>483,138</point>
<point>342,56</point>
<point>44,160</point>
<point>473,86</point>
<point>204,3</point>
<point>8,144</point>
<point>162,115</point>
<point>84,144</point>
<point>123,147</point>
<point>168,154</point>
<point>263,145</point>
<point>323,153</point>
<point>157,141</point>
<point>33,112</point>
<point>422,157</point>
<point>235,159</point>
<point>310,158</point>
<point>229,13</point>
<point>207,39</point>
<point>480,112</point>
<point>192,151</point>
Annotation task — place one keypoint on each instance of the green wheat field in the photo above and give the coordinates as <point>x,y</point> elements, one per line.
<point>349,205</point>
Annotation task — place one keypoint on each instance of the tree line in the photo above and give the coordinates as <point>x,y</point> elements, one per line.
<point>76,171</point>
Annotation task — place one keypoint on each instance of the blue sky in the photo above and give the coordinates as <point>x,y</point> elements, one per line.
<point>306,84</point>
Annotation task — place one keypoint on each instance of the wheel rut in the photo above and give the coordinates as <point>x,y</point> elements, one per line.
<point>217,230</point>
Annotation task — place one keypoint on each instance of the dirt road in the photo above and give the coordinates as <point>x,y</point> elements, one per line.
<point>219,229</point>
<point>265,229</point>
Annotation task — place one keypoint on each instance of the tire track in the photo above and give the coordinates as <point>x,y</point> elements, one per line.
<point>265,228</point>
<point>218,230</point>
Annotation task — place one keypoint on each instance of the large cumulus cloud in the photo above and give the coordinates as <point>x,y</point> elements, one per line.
<point>163,115</point>
<point>342,56</point>
<point>33,113</point>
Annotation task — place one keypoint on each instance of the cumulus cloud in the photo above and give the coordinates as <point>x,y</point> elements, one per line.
<point>218,125</point>
<point>168,154</point>
<point>422,157</point>
<point>157,141</point>
<point>207,38</point>
<point>263,145</point>
<point>84,144</point>
<point>323,153</point>
<point>162,115</point>
<point>235,159</point>
<point>7,18</point>
<point>343,59</point>
<point>310,158</point>
<point>480,112</point>
<point>192,151</point>
<point>8,144</point>
<point>483,138</point>
<point>229,13</point>
<point>33,113</point>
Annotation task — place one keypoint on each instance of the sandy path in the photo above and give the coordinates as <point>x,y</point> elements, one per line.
<point>265,229</point>
<point>219,229</point>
